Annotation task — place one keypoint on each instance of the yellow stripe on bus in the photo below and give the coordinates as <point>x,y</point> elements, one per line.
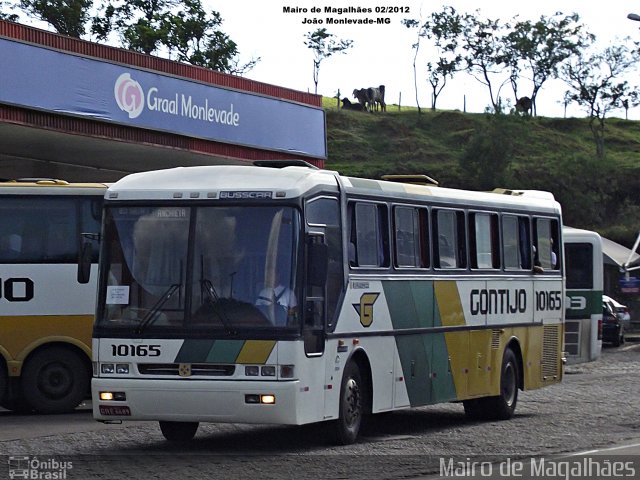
<point>255,351</point>
<point>21,334</point>
<point>449,305</point>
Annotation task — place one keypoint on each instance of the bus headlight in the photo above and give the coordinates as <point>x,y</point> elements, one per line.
<point>109,396</point>
<point>108,368</point>
<point>117,368</point>
<point>287,371</point>
<point>122,368</point>
<point>268,371</point>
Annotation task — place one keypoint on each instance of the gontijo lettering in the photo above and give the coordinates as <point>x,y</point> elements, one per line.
<point>503,300</point>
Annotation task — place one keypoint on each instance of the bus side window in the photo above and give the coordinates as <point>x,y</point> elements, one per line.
<point>483,239</point>
<point>516,242</point>
<point>411,231</point>
<point>451,245</point>
<point>546,243</point>
<point>90,219</point>
<point>369,235</point>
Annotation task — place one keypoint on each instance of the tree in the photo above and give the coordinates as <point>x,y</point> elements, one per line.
<point>444,28</point>
<point>410,23</point>
<point>67,17</point>
<point>484,52</point>
<point>597,83</point>
<point>141,24</point>
<point>11,17</point>
<point>180,28</point>
<point>324,45</point>
<point>195,37</point>
<point>542,47</point>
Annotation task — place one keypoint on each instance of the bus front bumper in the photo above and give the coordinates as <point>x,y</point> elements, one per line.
<point>198,401</point>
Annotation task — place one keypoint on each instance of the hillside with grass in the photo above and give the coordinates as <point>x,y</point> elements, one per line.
<point>485,151</point>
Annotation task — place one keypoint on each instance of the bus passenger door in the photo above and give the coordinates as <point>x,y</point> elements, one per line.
<point>315,304</point>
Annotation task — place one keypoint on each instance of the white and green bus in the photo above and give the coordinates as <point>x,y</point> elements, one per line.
<point>584,276</point>
<point>296,295</point>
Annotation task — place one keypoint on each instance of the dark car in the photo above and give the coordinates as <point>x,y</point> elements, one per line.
<point>612,326</point>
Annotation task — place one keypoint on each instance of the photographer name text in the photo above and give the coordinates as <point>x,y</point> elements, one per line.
<point>327,15</point>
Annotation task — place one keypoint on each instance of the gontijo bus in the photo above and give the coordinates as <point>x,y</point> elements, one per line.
<point>296,295</point>
<point>46,315</point>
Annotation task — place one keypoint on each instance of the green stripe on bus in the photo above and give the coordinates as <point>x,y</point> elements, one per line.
<point>225,351</point>
<point>583,303</point>
<point>425,367</point>
<point>424,357</point>
<point>410,303</point>
<point>194,351</point>
<point>415,368</point>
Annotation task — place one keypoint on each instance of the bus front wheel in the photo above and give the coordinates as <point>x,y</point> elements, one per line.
<point>55,380</point>
<point>178,431</point>
<point>351,405</point>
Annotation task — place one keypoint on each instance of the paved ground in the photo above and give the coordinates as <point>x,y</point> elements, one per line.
<point>596,406</point>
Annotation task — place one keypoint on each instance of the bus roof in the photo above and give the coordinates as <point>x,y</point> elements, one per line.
<point>290,182</point>
<point>51,187</point>
<point>577,234</point>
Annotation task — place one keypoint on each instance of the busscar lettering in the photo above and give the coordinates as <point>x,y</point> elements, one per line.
<point>245,195</point>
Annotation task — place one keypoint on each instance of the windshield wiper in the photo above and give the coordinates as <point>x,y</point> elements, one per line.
<point>215,298</point>
<point>151,316</point>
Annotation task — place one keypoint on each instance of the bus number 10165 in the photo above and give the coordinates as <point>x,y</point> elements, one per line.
<point>125,350</point>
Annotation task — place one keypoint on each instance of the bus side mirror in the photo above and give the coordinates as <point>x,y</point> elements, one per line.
<point>318,266</point>
<point>84,262</point>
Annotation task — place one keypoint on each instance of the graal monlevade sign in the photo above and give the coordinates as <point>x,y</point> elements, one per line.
<point>66,84</point>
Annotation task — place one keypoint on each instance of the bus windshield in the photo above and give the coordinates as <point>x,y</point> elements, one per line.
<point>170,269</point>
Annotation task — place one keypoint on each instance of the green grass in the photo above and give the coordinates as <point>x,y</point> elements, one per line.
<point>554,154</point>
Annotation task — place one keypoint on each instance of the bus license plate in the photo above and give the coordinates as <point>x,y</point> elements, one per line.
<point>115,410</point>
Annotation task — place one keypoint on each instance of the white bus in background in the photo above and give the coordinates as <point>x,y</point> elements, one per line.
<point>289,296</point>
<point>584,282</point>
<point>46,314</point>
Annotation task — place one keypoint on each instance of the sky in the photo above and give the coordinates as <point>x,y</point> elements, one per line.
<point>383,54</point>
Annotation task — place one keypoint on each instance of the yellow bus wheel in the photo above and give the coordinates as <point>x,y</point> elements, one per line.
<point>55,380</point>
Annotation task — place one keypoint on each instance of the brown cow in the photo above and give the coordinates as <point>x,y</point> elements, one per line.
<point>524,105</point>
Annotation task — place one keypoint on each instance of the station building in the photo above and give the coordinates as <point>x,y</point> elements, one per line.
<point>82,111</point>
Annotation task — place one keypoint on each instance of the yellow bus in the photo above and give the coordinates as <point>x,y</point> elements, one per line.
<point>297,295</point>
<point>46,315</point>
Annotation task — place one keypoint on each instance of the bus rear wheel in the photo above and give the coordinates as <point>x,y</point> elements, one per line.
<point>178,431</point>
<point>351,410</point>
<point>502,406</point>
<point>55,380</point>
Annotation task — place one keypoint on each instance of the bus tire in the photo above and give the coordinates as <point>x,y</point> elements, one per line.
<point>178,431</point>
<point>351,409</point>
<point>475,409</point>
<point>503,406</point>
<point>55,380</point>
<point>13,399</point>
<point>4,381</point>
